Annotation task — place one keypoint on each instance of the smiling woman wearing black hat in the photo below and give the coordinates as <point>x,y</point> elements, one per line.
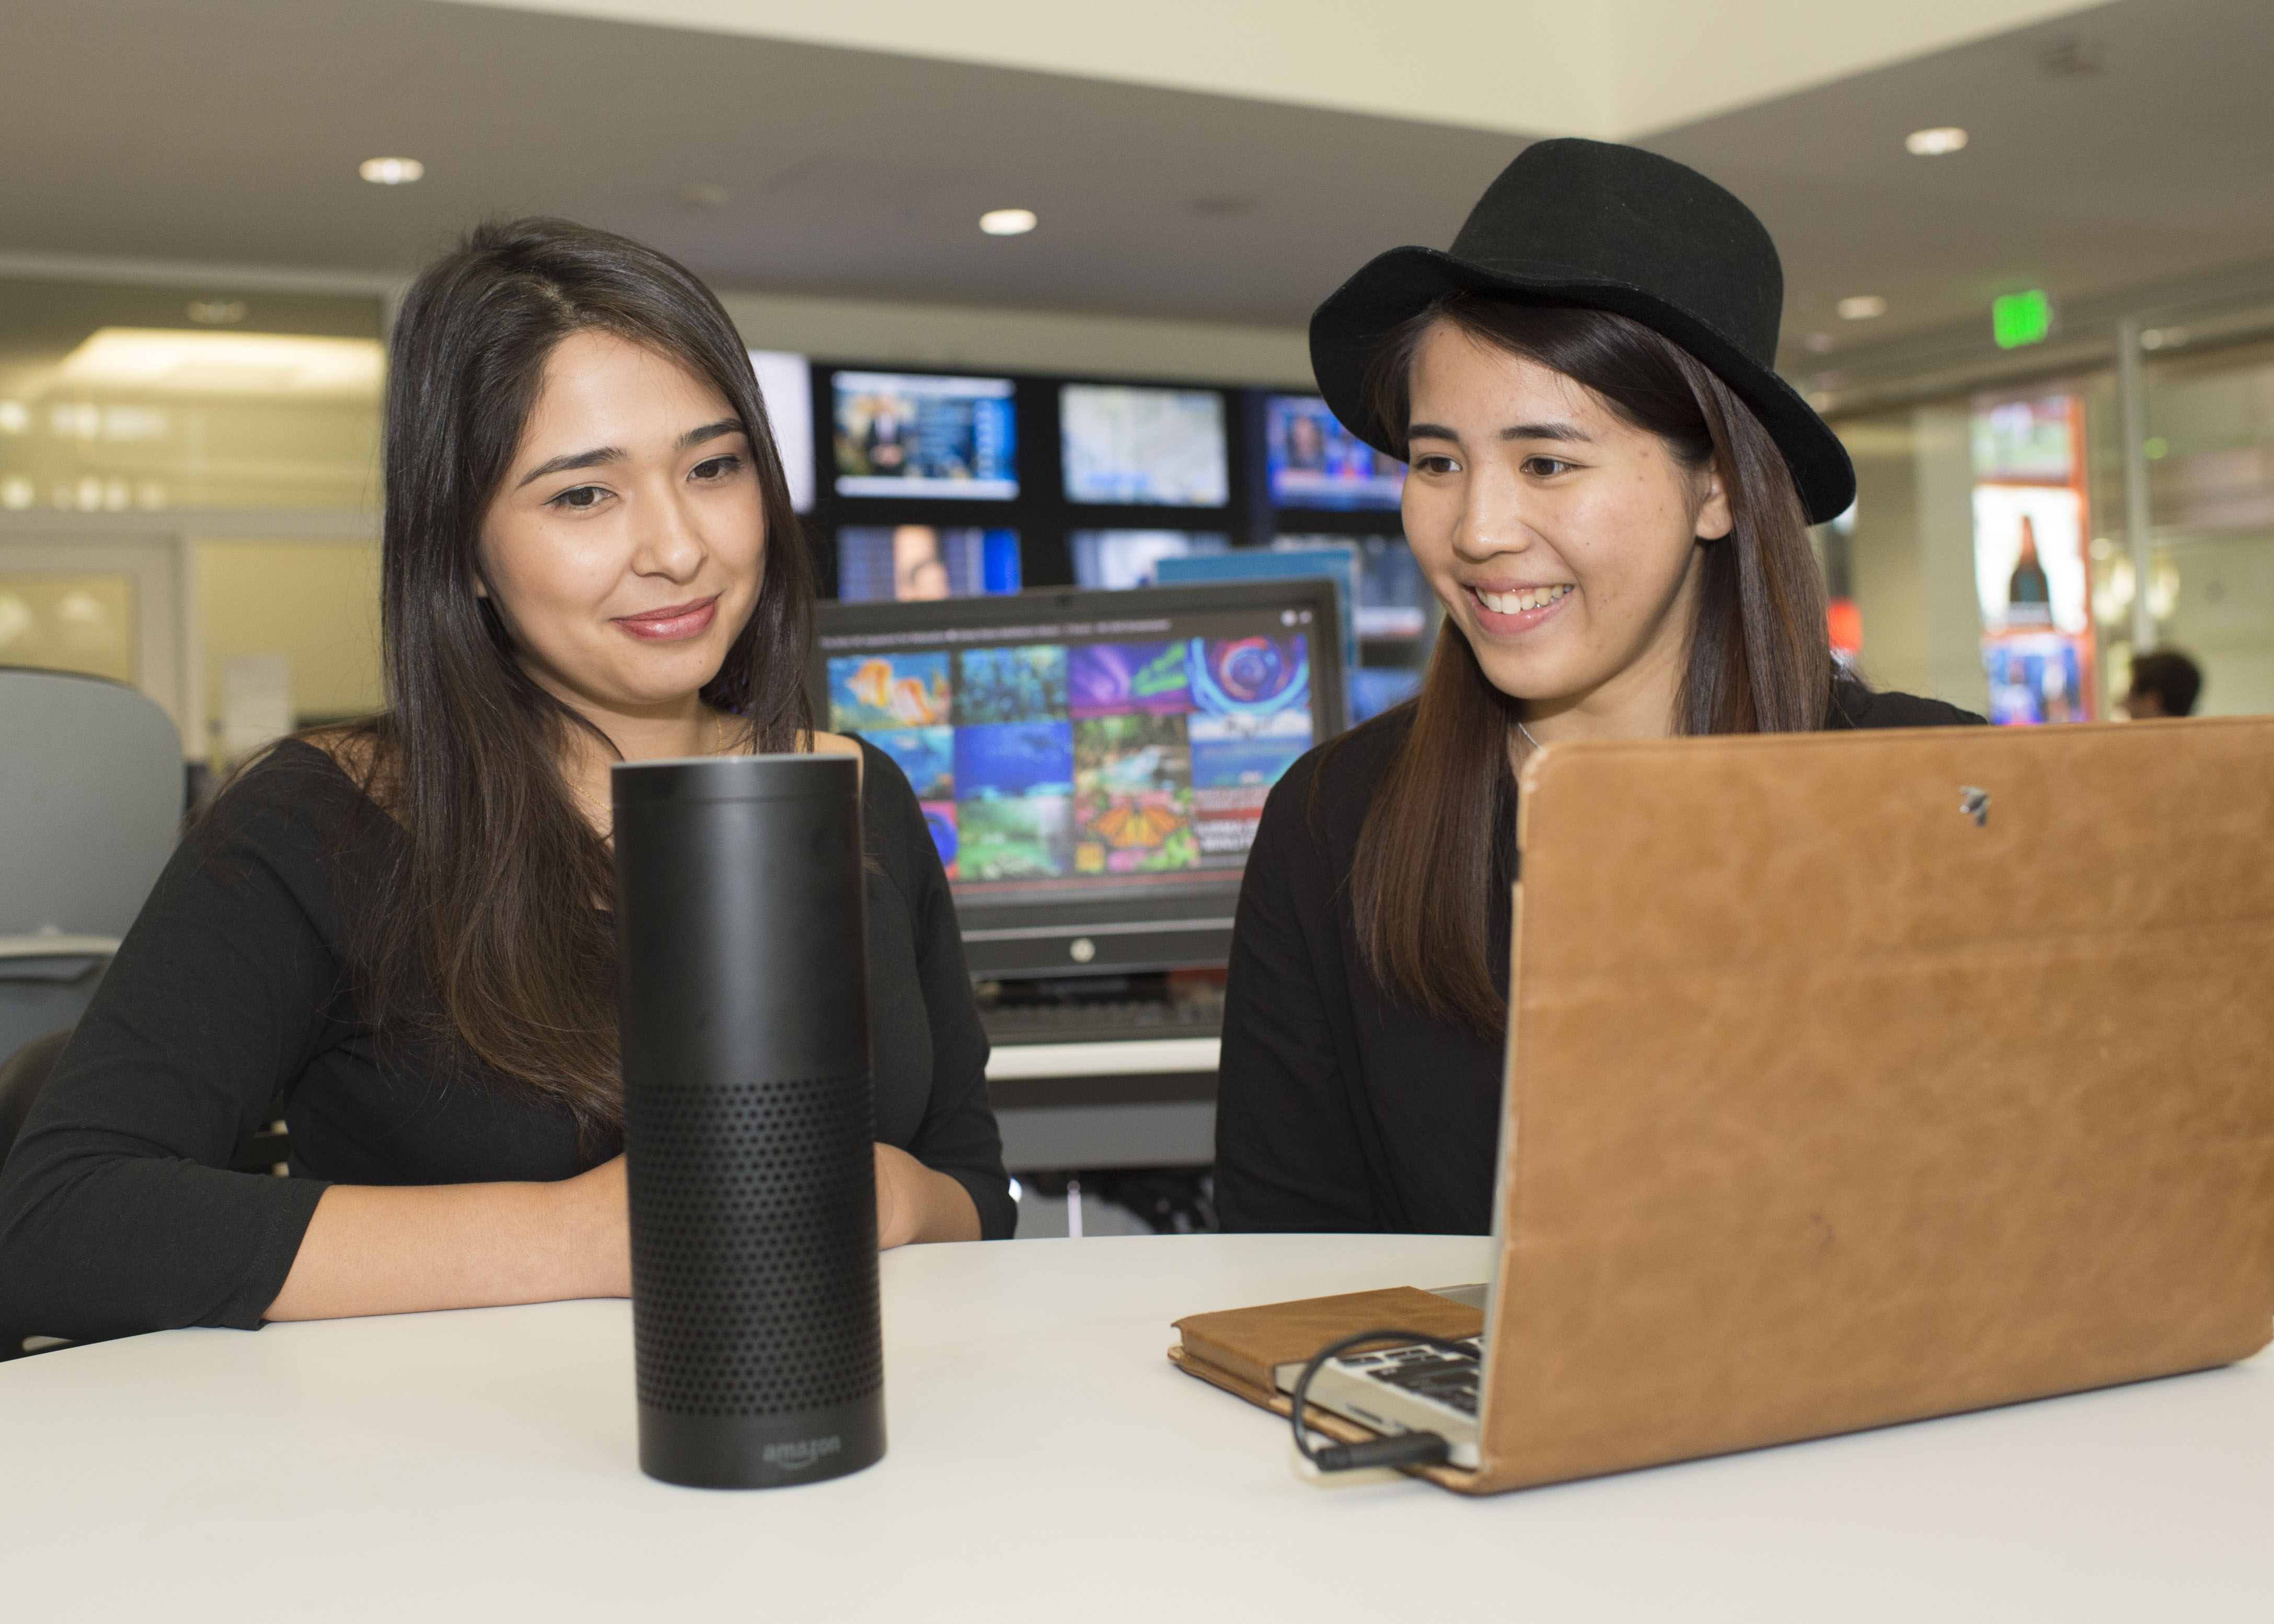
<point>1610,492</point>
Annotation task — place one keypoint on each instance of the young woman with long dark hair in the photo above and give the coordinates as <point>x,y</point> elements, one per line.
<point>1609,493</point>
<point>400,927</point>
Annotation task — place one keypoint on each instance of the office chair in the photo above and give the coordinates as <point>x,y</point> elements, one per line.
<point>90,808</point>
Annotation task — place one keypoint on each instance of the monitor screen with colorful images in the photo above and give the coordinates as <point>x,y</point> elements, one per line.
<point>1072,745</point>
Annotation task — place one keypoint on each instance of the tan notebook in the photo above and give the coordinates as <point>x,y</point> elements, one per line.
<point>1840,1096</point>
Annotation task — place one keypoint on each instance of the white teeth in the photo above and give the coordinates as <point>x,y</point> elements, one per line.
<point>1525,598</point>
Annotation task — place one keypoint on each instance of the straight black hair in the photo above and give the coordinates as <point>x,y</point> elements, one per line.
<point>1434,853</point>
<point>498,903</point>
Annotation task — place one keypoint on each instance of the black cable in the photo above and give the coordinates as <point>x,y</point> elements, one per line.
<point>1396,1449</point>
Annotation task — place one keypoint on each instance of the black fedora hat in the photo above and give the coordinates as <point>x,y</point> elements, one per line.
<point>1612,228</point>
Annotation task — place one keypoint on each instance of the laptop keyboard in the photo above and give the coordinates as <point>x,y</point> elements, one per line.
<point>1449,1379</point>
<point>1098,1020</point>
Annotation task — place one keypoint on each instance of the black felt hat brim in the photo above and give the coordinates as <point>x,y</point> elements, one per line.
<point>1395,287</point>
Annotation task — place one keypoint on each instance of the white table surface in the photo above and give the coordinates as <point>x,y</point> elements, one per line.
<point>1047,1462</point>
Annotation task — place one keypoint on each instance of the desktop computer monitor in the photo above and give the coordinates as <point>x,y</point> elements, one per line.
<point>1336,559</point>
<point>1092,765</point>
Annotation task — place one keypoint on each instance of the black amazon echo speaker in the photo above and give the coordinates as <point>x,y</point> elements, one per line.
<point>748,1115</point>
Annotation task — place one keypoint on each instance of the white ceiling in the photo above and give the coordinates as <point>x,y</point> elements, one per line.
<point>230,131</point>
<point>1611,69</point>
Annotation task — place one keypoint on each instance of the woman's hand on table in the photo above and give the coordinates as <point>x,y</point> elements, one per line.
<point>391,1249</point>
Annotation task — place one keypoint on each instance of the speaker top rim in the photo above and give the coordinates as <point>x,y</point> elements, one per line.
<point>817,777</point>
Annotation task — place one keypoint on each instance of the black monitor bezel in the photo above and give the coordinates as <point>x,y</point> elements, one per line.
<point>1128,931</point>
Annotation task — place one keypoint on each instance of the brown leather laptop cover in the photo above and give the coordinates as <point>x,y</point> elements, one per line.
<point>1240,1350</point>
<point>1857,1079</point>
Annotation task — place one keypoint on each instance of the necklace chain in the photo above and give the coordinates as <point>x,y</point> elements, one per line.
<point>1528,739</point>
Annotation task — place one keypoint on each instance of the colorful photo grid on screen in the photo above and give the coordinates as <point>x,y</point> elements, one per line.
<point>1313,462</point>
<point>1050,762</point>
<point>907,435</point>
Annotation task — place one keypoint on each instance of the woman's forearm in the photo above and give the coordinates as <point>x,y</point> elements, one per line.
<point>915,1203</point>
<point>382,1249</point>
<point>949,1214</point>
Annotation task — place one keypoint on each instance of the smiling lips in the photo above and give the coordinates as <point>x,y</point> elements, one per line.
<point>1520,608</point>
<point>672,624</point>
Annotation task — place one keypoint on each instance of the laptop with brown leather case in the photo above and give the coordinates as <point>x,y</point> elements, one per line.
<point>1858,1079</point>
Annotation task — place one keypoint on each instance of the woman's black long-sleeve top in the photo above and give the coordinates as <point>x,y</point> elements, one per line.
<point>118,1211</point>
<point>1341,1107</point>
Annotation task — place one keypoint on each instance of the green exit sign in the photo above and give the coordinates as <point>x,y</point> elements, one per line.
<point>2018,318</point>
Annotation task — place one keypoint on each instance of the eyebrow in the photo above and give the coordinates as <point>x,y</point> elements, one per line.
<point>600,455</point>
<point>1563,431</point>
<point>1548,430</point>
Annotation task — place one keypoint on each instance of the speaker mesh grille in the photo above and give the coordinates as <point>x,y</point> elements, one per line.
<point>754,1246</point>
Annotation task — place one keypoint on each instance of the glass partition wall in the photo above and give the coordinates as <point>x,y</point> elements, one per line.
<point>1988,554</point>
<point>2210,583</point>
<point>189,499</point>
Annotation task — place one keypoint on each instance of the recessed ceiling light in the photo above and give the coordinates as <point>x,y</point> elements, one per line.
<point>390,171</point>
<point>1007,221</point>
<point>1819,344</point>
<point>1934,143</point>
<point>1863,307</point>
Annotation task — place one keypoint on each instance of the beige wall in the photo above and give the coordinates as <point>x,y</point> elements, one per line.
<point>314,602</point>
<point>1021,339</point>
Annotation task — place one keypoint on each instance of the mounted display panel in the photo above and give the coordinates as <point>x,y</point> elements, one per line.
<point>1122,559</point>
<point>913,434</point>
<point>1311,461</point>
<point>1127,445</point>
<point>882,563</point>
<point>785,386</point>
<point>1092,765</point>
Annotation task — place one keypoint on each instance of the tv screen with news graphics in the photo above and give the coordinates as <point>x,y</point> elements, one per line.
<point>917,435</point>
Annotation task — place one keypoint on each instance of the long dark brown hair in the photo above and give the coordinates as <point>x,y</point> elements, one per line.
<point>1436,852</point>
<point>493,903</point>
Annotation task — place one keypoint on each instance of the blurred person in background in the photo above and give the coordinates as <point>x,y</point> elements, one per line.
<point>2164,683</point>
